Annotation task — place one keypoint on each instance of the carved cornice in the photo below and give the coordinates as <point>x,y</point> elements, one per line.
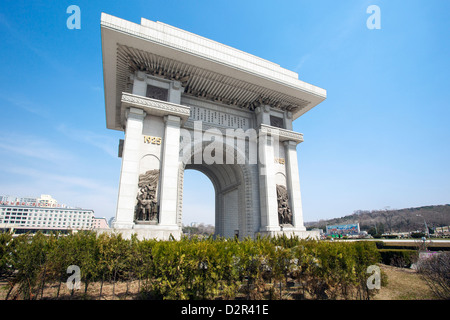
<point>282,134</point>
<point>154,106</point>
<point>205,84</point>
<point>204,69</point>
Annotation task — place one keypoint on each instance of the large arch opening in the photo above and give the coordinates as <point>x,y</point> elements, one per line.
<point>199,202</point>
<point>228,195</point>
<point>236,212</point>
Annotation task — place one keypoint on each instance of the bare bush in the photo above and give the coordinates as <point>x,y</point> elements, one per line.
<point>436,272</point>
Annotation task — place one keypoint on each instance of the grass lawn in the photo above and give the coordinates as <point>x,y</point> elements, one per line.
<point>403,284</point>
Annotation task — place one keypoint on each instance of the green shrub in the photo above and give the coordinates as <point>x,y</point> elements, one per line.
<point>379,244</point>
<point>398,257</point>
<point>390,236</point>
<point>191,268</point>
<point>417,235</point>
<point>28,255</point>
<point>5,241</point>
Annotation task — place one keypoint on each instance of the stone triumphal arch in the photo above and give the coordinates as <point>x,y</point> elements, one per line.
<point>187,102</point>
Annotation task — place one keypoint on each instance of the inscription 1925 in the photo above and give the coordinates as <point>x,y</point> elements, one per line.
<point>152,140</point>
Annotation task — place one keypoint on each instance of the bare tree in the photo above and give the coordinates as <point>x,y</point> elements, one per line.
<point>436,272</point>
<point>388,215</point>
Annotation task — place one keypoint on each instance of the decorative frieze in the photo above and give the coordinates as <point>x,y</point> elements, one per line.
<point>218,118</point>
<point>154,106</point>
<point>283,134</point>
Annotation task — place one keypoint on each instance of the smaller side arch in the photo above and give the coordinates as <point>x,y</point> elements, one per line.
<point>149,162</point>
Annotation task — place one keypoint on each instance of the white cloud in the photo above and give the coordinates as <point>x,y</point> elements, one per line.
<point>68,181</point>
<point>342,26</point>
<point>103,142</point>
<point>32,147</point>
<point>67,189</point>
<point>22,102</point>
<point>302,61</point>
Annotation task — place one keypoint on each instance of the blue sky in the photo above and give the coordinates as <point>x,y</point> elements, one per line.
<point>382,137</point>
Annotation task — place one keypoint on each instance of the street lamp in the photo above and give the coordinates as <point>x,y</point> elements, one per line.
<point>426,227</point>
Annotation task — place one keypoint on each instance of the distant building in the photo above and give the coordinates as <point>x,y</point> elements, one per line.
<point>442,230</point>
<point>343,229</point>
<point>44,201</point>
<point>45,214</point>
<point>99,223</point>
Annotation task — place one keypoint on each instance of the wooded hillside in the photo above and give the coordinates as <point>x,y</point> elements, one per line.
<point>393,220</point>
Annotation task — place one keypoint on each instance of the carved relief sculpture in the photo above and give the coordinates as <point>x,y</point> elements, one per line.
<point>276,122</point>
<point>284,210</point>
<point>147,203</point>
<point>157,93</point>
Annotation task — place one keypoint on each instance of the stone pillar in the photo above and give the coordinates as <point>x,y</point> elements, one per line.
<point>262,115</point>
<point>267,186</point>
<point>175,91</point>
<point>288,120</point>
<point>139,84</point>
<point>293,184</point>
<point>268,199</point>
<point>169,172</point>
<point>129,175</point>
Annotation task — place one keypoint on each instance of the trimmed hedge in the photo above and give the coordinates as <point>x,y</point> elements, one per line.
<point>398,257</point>
<point>190,269</point>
